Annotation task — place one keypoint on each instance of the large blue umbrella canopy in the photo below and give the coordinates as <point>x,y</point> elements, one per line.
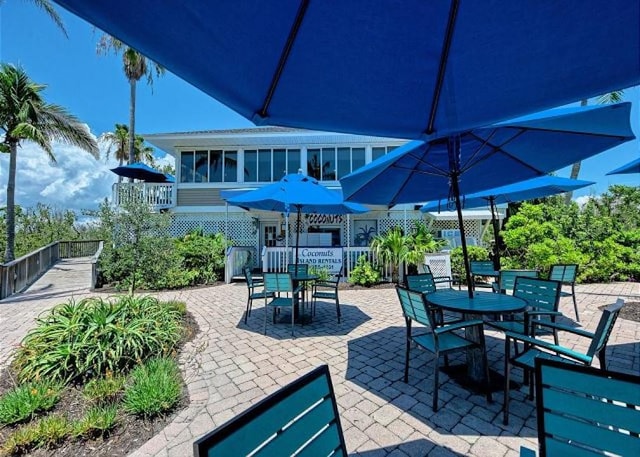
<point>543,186</point>
<point>142,171</point>
<point>478,159</point>
<point>629,168</point>
<point>410,69</point>
<point>295,192</point>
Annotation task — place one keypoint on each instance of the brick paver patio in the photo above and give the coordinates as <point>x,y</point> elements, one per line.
<point>231,365</point>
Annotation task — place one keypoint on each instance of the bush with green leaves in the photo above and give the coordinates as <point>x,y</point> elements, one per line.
<point>45,432</point>
<point>203,255</point>
<point>364,274</point>
<point>457,260</point>
<point>104,389</point>
<point>26,400</point>
<point>155,388</point>
<point>87,339</point>
<point>96,422</point>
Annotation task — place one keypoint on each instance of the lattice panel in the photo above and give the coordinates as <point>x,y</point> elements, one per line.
<point>240,229</point>
<point>471,227</point>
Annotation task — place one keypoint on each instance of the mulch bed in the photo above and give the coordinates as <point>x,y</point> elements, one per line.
<point>128,435</point>
<point>630,311</point>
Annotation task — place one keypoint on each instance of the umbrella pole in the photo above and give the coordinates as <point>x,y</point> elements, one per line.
<point>465,253</point>
<point>286,240</point>
<point>496,233</point>
<point>297,236</point>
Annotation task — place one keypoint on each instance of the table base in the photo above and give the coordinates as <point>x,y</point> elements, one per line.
<point>458,373</point>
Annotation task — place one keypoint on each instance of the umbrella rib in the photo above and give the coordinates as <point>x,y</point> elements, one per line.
<point>302,9</point>
<point>444,57</point>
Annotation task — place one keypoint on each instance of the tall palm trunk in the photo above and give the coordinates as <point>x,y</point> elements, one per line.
<point>132,122</point>
<point>9,254</point>
<point>575,168</point>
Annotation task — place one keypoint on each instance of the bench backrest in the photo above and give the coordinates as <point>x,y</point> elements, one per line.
<point>298,269</point>
<point>605,327</point>
<point>277,282</point>
<point>301,418</point>
<point>507,278</point>
<point>481,268</point>
<point>414,306</point>
<point>566,274</point>
<point>586,411</point>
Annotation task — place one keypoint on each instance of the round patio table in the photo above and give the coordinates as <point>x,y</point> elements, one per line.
<point>481,304</point>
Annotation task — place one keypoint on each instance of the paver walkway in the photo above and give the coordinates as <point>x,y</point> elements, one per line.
<point>230,366</point>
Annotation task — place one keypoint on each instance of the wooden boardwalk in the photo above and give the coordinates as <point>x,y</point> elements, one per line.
<point>69,278</point>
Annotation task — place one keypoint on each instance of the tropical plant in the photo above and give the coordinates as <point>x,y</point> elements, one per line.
<point>156,388</point>
<point>28,399</point>
<point>93,337</point>
<point>391,249</point>
<point>47,7</point>
<point>118,141</point>
<point>421,242</point>
<point>26,116</point>
<point>135,66</point>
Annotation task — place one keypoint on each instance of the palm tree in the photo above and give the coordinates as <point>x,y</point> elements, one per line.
<point>391,248</point>
<point>135,66</point>
<point>119,140</point>
<point>47,7</point>
<point>25,116</point>
<point>612,97</point>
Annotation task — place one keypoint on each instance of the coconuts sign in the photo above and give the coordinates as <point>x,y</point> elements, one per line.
<point>329,258</point>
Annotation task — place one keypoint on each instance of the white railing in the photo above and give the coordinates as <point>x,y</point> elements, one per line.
<point>275,259</point>
<point>157,195</point>
<point>238,257</point>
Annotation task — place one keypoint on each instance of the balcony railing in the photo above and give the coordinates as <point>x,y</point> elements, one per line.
<point>157,195</point>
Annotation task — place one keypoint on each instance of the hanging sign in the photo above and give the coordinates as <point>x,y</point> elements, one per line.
<point>329,258</point>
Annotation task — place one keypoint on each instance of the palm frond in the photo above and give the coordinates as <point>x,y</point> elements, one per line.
<point>47,7</point>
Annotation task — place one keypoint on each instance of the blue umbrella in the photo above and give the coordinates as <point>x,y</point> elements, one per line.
<point>630,168</point>
<point>521,191</point>
<point>142,171</point>
<point>298,192</point>
<point>477,159</point>
<point>406,70</point>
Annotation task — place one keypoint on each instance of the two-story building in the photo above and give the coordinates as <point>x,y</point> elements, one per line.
<point>208,162</point>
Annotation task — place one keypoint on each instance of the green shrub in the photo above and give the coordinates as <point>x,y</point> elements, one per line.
<point>457,260</point>
<point>45,432</point>
<point>24,401</point>
<point>87,339</point>
<point>102,390</point>
<point>155,388</point>
<point>203,256</point>
<point>322,273</point>
<point>96,422</point>
<point>363,273</point>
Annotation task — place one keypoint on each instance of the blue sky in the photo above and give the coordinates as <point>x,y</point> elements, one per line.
<point>94,88</point>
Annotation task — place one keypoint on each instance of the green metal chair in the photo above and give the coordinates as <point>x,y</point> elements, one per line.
<point>326,290</point>
<point>438,279</point>
<point>537,348</point>
<point>281,286</point>
<point>481,268</point>
<point>425,283</point>
<point>300,419</point>
<point>567,275</point>
<point>253,292</point>
<point>542,297</point>
<point>507,279</point>
<point>585,412</point>
<point>440,340</point>
<point>299,269</point>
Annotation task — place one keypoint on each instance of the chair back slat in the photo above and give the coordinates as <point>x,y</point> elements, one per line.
<point>584,411</point>
<point>564,273</point>
<point>277,282</point>
<point>481,267</point>
<point>413,306</point>
<point>421,283</point>
<point>298,269</point>
<point>297,419</point>
<point>248,276</point>
<point>507,278</point>
<point>540,294</point>
<point>605,326</point>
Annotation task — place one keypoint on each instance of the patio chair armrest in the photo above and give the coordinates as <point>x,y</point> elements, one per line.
<point>566,328</point>
<point>561,350</point>
<point>300,288</point>
<point>457,326</point>
<point>542,313</point>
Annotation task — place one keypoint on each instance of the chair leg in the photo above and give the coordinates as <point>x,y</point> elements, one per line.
<point>338,308</point>
<point>266,311</point>
<point>603,358</point>
<point>505,407</point>
<point>274,314</point>
<point>436,382</point>
<point>293,319</point>
<point>486,372</point>
<point>248,311</point>
<point>575,304</point>
<point>529,373</point>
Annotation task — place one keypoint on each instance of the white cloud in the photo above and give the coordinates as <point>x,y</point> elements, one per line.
<point>76,181</point>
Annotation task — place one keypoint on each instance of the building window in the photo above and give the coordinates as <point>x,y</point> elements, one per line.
<point>321,164</point>
<point>208,166</point>
<point>268,165</point>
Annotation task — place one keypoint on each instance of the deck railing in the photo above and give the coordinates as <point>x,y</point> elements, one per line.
<point>237,258</point>
<point>157,195</point>
<point>19,274</point>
